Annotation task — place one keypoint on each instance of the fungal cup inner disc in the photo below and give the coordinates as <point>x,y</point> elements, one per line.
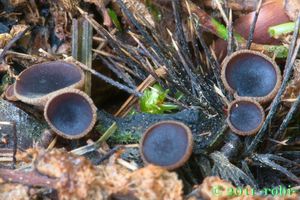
<point>251,75</point>
<point>165,144</point>
<point>70,113</point>
<point>46,78</point>
<point>245,116</point>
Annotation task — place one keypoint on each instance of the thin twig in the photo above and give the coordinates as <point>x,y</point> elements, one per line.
<point>287,119</point>
<point>108,154</point>
<point>105,78</point>
<point>33,58</point>
<point>287,72</point>
<point>12,42</point>
<point>106,54</point>
<point>15,144</point>
<point>252,27</point>
<point>230,43</point>
<point>142,31</point>
<point>215,65</point>
<point>92,147</point>
<point>195,46</point>
<point>86,53</point>
<point>119,74</point>
<point>184,63</point>
<point>116,45</point>
<point>223,14</point>
<point>179,28</point>
<point>27,178</point>
<point>98,39</point>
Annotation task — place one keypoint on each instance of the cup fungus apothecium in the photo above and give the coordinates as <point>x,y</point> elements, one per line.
<point>70,113</point>
<point>36,84</point>
<point>167,144</point>
<point>248,73</point>
<point>245,116</point>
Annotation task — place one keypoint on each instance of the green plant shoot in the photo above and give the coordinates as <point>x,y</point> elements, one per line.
<point>153,101</point>
<point>114,18</point>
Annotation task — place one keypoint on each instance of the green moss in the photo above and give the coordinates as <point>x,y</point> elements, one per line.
<point>120,137</point>
<point>279,51</point>
<point>124,138</point>
<point>153,101</point>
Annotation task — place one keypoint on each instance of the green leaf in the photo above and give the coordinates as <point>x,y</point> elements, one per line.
<point>168,107</point>
<point>114,18</point>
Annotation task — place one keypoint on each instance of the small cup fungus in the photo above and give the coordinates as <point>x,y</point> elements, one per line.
<point>36,84</point>
<point>70,113</point>
<point>167,144</point>
<point>251,74</point>
<point>245,116</point>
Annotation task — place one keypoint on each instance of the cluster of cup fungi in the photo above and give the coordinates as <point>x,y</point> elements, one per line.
<point>252,78</point>
<point>54,87</point>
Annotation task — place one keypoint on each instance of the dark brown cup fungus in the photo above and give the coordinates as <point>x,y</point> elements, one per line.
<point>70,113</point>
<point>167,144</point>
<point>252,74</point>
<point>245,116</point>
<point>38,83</point>
<point>10,93</point>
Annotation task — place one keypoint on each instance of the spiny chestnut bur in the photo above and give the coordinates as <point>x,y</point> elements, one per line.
<point>245,116</point>
<point>70,113</point>
<point>251,74</point>
<point>36,84</point>
<point>167,144</point>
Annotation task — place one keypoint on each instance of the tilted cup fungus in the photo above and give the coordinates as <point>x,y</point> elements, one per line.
<point>248,73</point>
<point>70,113</point>
<point>167,144</point>
<point>10,93</point>
<point>245,116</point>
<point>36,84</point>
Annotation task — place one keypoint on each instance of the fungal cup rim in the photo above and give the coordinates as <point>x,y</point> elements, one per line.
<point>262,99</point>
<point>253,131</point>
<point>189,146</point>
<point>42,100</point>
<point>91,104</point>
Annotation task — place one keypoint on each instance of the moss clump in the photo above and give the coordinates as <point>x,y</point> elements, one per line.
<point>124,138</point>
<point>120,136</point>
